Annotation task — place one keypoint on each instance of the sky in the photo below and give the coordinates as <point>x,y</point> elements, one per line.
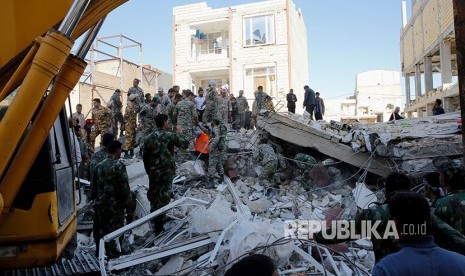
<point>345,37</point>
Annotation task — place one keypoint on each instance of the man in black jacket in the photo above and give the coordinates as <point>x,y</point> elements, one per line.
<point>291,100</point>
<point>309,101</point>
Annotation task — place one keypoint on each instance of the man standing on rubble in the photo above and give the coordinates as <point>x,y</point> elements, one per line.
<point>150,111</point>
<point>437,109</point>
<point>217,150</point>
<point>199,100</point>
<point>166,101</point>
<point>291,100</point>
<point>309,101</point>
<point>319,107</point>
<point>395,115</point>
<point>223,106</point>
<point>101,116</point>
<point>136,90</point>
<point>159,164</point>
<point>211,103</point>
<point>242,108</point>
<point>114,200</point>
<point>116,107</point>
<point>186,117</point>
<point>130,126</point>
<point>265,155</point>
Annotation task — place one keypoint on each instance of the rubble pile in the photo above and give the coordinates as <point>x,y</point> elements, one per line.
<point>210,229</point>
<point>407,145</point>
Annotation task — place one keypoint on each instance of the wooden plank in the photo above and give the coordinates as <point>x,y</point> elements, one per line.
<point>305,136</point>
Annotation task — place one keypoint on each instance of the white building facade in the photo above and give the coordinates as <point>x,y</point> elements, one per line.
<point>244,46</point>
<point>377,93</point>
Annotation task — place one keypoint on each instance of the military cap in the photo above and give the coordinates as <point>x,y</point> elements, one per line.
<point>155,100</point>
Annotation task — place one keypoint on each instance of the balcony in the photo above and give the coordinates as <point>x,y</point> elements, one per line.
<point>209,42</point>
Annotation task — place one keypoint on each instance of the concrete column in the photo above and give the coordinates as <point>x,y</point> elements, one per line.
<point>428,74</point>
<point>448,104</point>
<point>407,90</point>
<point>446,62</point>
<point>417,81</point>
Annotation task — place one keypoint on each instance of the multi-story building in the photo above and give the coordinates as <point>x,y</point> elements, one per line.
<point>428,55</point>
<point>244,46</point>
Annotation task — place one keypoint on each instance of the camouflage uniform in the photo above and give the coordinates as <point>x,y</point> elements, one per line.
<point>116,107</point>
<point>114,201</point>
<point>382,247</point>
<point>211,103</point>
<point>130,126</point>
<point>242,106</point>
<point>102,118</point>
<point>185,114</point>
<point>149,112</point>
<point>98,157</point>
<point>159,164</point>
<point>268,160</point>
<point>305,162</point>
<point>165,102</point>
<point>451,209</point>
<point>217,151</point>
<point>171,110</point>
<point>140,99</point>
<point>223,108</point>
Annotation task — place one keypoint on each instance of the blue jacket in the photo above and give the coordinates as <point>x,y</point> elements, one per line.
<point>422,257</point>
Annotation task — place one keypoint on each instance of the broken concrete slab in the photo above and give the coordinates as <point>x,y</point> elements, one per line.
<point>173,265</point>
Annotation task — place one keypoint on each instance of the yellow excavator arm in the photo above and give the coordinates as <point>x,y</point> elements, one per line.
<point>36,39</point>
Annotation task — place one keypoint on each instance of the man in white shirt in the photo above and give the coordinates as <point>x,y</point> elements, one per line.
<point>199,100</point>
<point>79,116</point>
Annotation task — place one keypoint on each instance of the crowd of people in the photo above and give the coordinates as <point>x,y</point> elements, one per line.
<point>196,125</point>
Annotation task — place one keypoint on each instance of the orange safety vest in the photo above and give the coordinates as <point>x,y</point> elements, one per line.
<point>201,144</point>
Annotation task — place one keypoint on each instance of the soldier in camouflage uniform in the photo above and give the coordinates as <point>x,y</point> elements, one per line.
<point>101,116</point>
<point>381,247</point>
<point>98,157</point>
<point>150,111</point>
<point>242,108</point>
<point>114,200</point>
<point>451,208</point>
<point>147,102</point>
<point>136,90</point>
<point>186,117</point>
<point>172,110</point>
<point>166,101</point>
<point>117,105</point>
<point>305,162</point>
<point>211,103</point>
<point>217,150</point>
<point>130,127</point>
<point>223,106</point>
<point>268,159</point>
<point>159,164</point>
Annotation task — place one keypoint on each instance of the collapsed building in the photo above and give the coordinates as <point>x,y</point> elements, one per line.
<point>210,229</point>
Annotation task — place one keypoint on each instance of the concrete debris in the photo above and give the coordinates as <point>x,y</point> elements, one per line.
<point>363,196</point>
<point>319,175</point>
<point>174,264</point>
<point>208,229</point>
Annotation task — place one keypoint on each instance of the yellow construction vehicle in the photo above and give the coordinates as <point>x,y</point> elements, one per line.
<point>37,73</point>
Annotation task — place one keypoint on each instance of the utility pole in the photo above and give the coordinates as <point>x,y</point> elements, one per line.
<point>459,21</point>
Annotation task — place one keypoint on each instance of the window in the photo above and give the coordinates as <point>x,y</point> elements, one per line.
<point>265,76</point>
<point>259,30</point>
